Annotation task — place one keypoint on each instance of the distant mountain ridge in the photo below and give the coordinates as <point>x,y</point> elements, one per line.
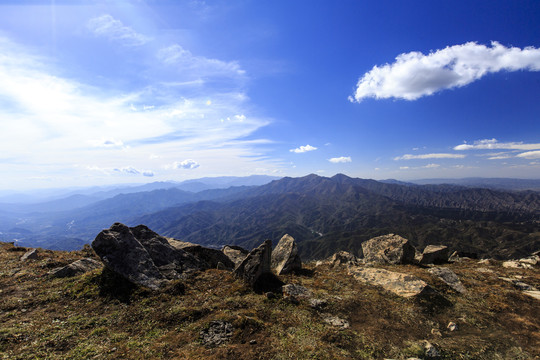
<point>323,214</point>
<point>327,214</point>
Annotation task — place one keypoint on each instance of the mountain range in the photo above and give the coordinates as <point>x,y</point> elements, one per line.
<point>323,214</point>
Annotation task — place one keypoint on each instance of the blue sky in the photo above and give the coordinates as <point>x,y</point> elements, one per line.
<point>104,92</point>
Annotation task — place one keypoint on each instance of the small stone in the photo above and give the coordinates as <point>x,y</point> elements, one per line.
<point>452,326</point>
<point>449,278</point>
<point>317,304</point>
<point>534,294</point>
<point>270,295</point>
<point>431,351</point>
<point>216,333</point>
<point>253,342</point>
<point>335,321</point>
<point>298,291</point>
<point>436,332</point>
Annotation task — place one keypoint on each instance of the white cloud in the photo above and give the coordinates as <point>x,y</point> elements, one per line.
<point>186,164</point>
<point>107,26</point>
<point>176,55</point>
<point>491,144</point>
<point>342,159</point>
<point>303,149</point>
<point>431,166</point>
<point>414,74</point>
<point>530,155</point>
<point>107,143</point>
<point>429,156</point>
<point>128,170</point>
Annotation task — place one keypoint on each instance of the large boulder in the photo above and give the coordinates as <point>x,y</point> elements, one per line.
<point>255,268</point>
<point>76,268</point>
<point>285,258</point>
<point>30,255</point>
<point>434,254</point>
<point>400,284</point>
<point>235,253</point>
<point>142,256</point>
<point>389,249</point>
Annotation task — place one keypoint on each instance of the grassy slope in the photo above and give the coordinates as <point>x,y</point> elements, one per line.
<point>79,318</point>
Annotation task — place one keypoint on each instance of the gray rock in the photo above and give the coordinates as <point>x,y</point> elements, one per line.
<point>389,249</point>
<point>217,333</point>
<point>210,257</point>
<point>235,253</point>
<point>256,264</point>
<point>78,267</point>
<point>531,260</point>
<point>434,254</point>
<point>285,258</point>
<point>452,326</point>
<point>533,294</point>
<point>449,278</point>
<point>400,284</point>
<point>30,255</point>
<point>142,256</point>
<point>318,304</point>
<point>298,291</point>
<point>343,258</point>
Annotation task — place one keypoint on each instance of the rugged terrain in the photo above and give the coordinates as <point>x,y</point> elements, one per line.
<point>97,316</point>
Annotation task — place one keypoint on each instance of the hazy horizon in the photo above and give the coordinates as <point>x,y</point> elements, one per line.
<point>104,93</point>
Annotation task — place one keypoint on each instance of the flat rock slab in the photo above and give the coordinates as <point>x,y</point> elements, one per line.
<point>30,255</point>
<point>78,267</point>
<point>449,278</point>
<point>534,294</point>
<point>400,284</point>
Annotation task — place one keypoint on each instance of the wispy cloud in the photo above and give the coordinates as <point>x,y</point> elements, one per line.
<point>491,144</point>
<point>176,55</point>
<point>429,156</point>
<point>530,155</point>
<point>342,159</point>
<point>428,166</point>
<point>303,149</point>
<point>414,74</point>
<point>113,29</point>
<point>49,120</point>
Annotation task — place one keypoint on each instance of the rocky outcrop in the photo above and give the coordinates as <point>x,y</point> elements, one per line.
<point>256,264</point>
<point>142,256</point>
<point>285,258</point>
<point>400,284</point>
<point>235,253</point>
<point>389,249</point>
<point>449,278</point>
<point>76,268</point>
<point>434,254</point>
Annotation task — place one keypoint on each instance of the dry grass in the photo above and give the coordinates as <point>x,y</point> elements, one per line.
<point>81,318</point>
